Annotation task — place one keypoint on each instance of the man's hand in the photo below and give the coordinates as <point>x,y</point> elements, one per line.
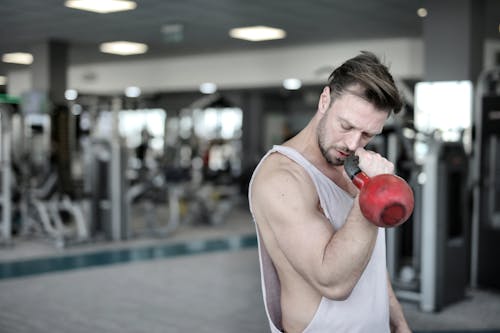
<point>373,163</point>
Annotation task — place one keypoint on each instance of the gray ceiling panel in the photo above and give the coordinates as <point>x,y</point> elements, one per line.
<point>207,22</point>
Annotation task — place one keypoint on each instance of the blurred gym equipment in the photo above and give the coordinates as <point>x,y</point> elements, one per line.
<point>428,257</point>
<point>50,203</point>
<point>6,172</point>
<point>485,270</point>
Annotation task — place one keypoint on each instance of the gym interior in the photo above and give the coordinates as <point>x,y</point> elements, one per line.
<point>124,172</point>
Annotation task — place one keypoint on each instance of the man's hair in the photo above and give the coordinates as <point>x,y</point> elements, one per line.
<point>372,79</point>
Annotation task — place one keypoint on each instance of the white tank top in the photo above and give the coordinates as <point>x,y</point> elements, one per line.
<point>367,308</point>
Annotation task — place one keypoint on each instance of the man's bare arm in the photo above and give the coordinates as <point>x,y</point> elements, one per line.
<point>331,261</point>
<point>397,318</point>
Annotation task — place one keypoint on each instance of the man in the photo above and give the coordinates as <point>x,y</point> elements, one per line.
<point>323,264</point>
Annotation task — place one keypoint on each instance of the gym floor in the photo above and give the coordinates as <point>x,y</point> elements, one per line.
<point>199,279</point>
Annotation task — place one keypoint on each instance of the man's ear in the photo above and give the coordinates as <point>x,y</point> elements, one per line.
<point>324,100</point>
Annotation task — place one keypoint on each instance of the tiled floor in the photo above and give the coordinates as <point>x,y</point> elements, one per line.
<point>148,289</point>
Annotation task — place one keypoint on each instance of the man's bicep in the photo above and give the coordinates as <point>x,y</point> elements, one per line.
<point>300,230</point>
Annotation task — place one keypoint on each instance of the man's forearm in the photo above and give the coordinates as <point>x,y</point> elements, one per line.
<point>397,318</point>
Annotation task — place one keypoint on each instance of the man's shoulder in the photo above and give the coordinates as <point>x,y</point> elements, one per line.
<point>281,182</point>
<point>276,169</point>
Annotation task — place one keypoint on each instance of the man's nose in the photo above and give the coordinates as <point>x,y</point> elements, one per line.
<point>352,141</point>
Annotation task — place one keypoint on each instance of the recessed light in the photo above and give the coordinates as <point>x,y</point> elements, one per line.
<point>422,12</point>
<point>70,94</point>
<point>18,58</point>
<point>292,84</point>
<point>101,6</point>
<point>132,92</point>
<point>257,33</point>
<point>208,88</point>
<point>123,48</point>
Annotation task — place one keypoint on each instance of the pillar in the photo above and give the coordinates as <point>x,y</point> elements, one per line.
<point>454,39</point>
<point>49,69</point>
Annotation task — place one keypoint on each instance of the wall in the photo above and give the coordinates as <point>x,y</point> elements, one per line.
<point>249,69</point>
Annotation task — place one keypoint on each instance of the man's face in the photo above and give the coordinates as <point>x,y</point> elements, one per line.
<point>349,123</point>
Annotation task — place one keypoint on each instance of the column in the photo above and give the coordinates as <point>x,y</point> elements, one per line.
<point>454,39</point>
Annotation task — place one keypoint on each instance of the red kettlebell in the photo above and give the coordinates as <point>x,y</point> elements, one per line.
<point>386,200</point>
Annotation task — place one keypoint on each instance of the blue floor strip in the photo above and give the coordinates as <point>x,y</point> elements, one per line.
<point>109,257</point>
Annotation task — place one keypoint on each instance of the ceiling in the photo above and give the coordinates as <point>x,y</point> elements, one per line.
<point>206,24</point>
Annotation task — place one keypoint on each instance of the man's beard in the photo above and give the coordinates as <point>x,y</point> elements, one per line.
<point>332,160</point>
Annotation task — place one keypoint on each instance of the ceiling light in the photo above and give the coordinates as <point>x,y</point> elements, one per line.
<point>123,48</point>
<point>422,12</point>
<point>101,6</point>
<point>208,88</point>
<point>257,33</point>
<point>3,80</point>
<point>18,58</point>
<point>70,94</point>
<point>292,84</point>
<point>133,92</point>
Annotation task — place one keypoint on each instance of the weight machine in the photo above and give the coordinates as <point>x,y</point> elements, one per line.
<point>428,256</point>
<point>6,171</point>
<point>48,204</point>
<point>129,192</point>
<point>485,271</point>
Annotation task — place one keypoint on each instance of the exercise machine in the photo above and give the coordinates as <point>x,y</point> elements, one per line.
<point>428,257</point>
<point>485,271</point>
<point>49,205</point>
<point>6,172</point>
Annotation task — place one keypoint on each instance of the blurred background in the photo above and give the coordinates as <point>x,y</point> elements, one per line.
<point>130,129</point>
